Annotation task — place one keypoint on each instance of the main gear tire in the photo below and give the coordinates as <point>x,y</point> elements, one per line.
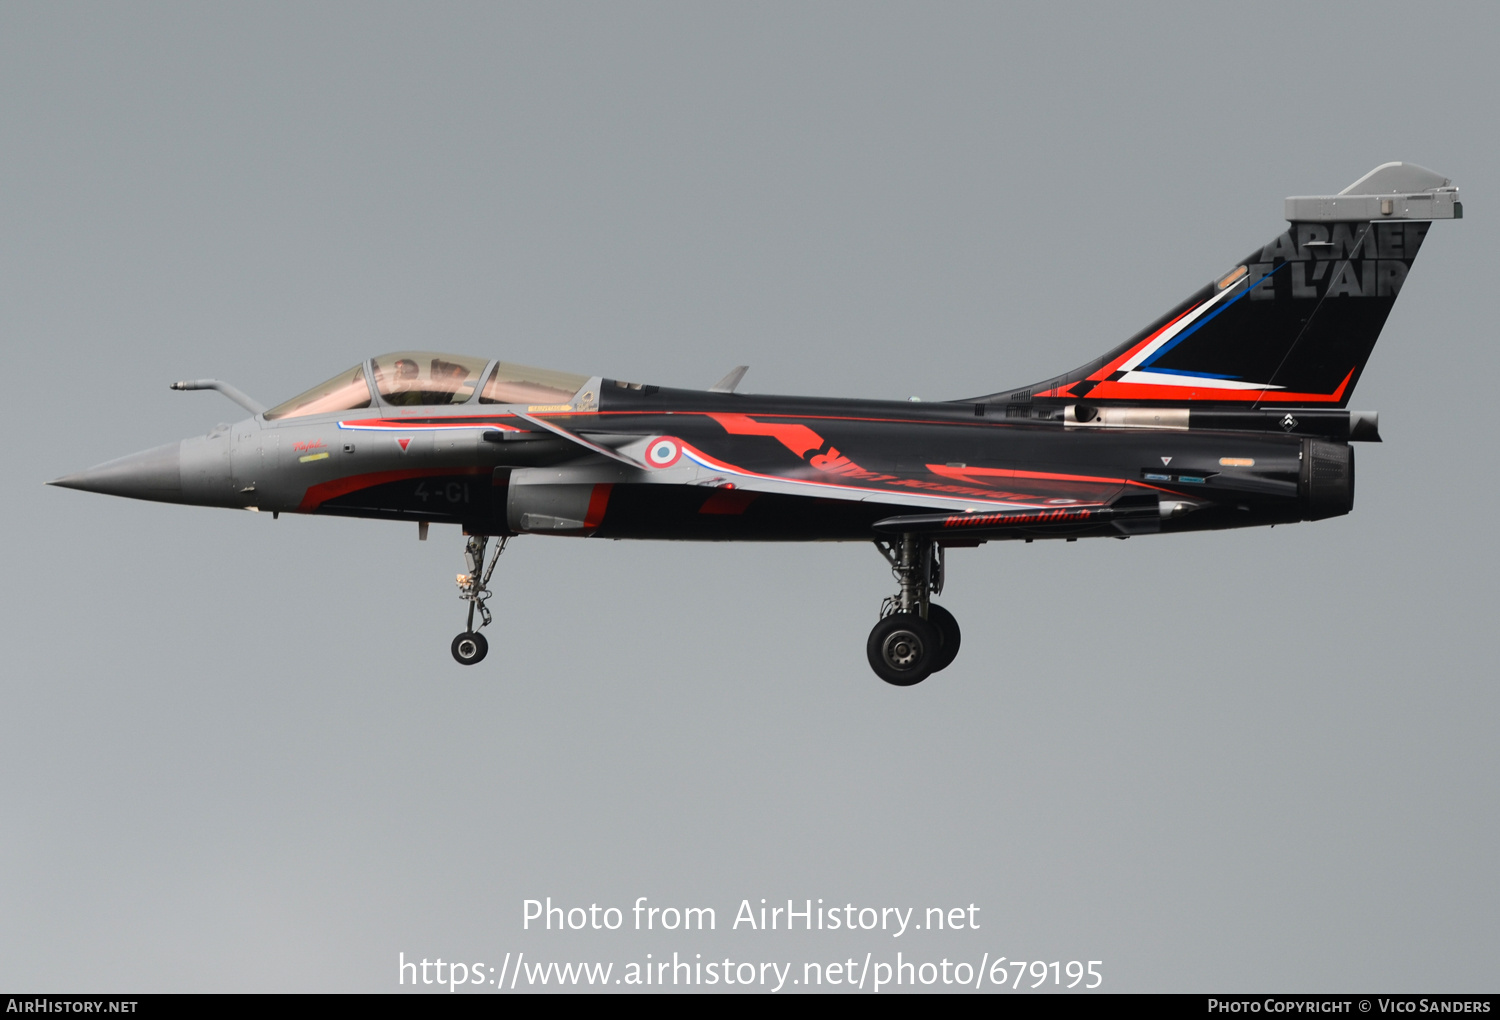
<point>903,648</point>
<point>947,628</point>
<point>470,647</point>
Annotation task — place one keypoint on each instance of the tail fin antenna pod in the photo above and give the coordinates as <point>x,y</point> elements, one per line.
<point>1294,323</point>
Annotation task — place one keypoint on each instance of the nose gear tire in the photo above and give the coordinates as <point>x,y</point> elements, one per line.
<point>947,628</point>
<point>469,647</point>
<point>903,648</point>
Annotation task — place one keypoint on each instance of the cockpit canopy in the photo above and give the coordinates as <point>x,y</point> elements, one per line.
<point>421,378</point>
<point>427,379</point>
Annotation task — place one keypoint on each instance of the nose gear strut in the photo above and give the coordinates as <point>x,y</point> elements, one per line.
<point>474,588</point>
<point>915,637</point>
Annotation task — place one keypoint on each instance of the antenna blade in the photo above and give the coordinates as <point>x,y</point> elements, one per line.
<point>730,381</point>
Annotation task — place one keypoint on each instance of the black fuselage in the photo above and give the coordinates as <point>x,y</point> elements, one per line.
<point>1229,478</point>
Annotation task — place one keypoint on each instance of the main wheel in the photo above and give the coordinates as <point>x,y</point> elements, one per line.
<point>903,648</point>
<point>469,647</point>
<point>947,628</point>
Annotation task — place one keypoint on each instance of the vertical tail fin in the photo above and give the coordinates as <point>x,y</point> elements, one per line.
<point>1294,324</point>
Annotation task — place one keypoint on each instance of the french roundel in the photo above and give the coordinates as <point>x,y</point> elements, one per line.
<point>663,452</point>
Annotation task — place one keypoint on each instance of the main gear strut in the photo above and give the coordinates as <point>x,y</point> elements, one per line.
<point>474,588</point>
<point>917,565</point>
<point>915,636</point>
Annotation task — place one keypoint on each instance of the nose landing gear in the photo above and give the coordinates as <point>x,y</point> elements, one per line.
<point>470,646</point>
<point>915,637</point>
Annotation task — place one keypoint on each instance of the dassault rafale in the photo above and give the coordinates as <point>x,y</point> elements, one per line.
<point>1229,411</point>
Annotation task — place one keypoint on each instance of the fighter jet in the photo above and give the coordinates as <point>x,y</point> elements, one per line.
<point>1229,411</point>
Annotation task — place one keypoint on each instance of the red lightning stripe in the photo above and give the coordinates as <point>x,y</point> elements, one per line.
<point>598,501</point>
<point>1181,394</point>
<point>964,475</point>
<point>940,492</point>
<point>798,438</point>
<point>472,421</point>
<point>317,495</point>
<point>1104,372</point>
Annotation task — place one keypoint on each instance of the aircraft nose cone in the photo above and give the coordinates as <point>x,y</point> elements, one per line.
<point>151,474</point>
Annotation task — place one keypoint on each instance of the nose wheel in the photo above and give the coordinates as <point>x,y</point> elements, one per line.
<point>474,588</point>
<point>469,647</point>
<point>915,637</point>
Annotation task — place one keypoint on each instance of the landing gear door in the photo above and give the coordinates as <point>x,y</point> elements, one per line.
<point>252,459</point>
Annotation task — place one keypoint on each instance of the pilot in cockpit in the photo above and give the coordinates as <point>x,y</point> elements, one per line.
<point>405,387</point>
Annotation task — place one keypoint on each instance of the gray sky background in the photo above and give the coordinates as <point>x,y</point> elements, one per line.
<point>236,752</point>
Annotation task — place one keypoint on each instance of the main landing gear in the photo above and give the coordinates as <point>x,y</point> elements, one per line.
<point>915,637</point>
<point>474,588</point>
